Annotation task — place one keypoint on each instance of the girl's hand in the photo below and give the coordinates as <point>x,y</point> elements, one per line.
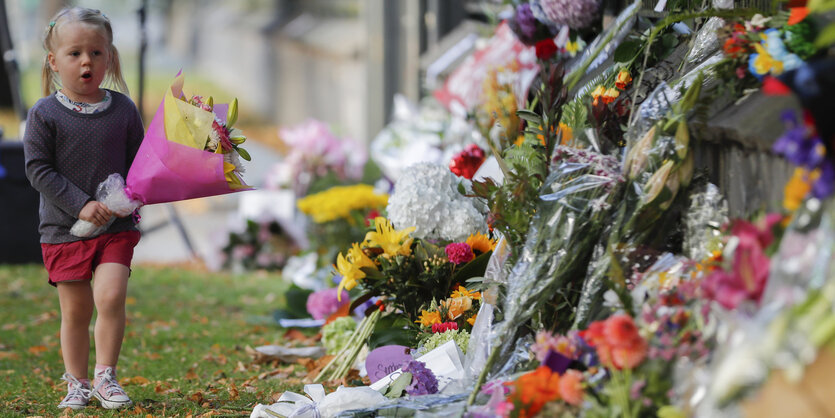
<point>95,212</point>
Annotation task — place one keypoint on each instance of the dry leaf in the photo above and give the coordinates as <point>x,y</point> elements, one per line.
<point>8,355</point>
<point>191,375</point>
<point>37,350</point>
<point>136,380</point>
<point>196,397</point>
<point>233,392</point>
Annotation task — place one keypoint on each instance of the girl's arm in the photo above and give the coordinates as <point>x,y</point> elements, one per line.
<point>39,150</point>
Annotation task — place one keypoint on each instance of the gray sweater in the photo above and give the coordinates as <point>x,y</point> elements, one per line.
<point>68,154</point>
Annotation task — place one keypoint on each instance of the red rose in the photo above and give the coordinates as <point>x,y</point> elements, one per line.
<point>545,49</point>
<point>467,162</point>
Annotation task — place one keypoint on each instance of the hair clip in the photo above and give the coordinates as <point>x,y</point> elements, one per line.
<point>51,24</point>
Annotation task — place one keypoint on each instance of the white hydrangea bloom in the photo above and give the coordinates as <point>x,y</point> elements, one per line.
<point>426,197</point>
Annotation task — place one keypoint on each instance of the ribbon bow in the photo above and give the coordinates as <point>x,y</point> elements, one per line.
<point>293,405</point>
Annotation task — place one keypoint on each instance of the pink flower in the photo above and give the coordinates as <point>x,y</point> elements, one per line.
<point>459,252</point>
<point>324,303</point>
<point>748,278</point>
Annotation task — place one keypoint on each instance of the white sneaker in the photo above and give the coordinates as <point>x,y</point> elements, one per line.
<point>108,391</point>
<point>78,394</point>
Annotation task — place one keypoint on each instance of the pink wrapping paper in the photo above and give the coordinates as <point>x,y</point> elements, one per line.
<point>164,171</point>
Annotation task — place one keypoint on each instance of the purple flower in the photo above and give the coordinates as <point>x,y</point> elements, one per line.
<point>575,14</point>
<point>526,22</point>
<point>323,303</point>
<point>424,381</point>
<point>796,145</point>
<point>825,184</point>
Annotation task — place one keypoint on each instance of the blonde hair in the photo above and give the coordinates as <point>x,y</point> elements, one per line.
<point>93,17</point>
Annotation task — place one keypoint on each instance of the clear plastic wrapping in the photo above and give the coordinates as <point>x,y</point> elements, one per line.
<point>706,41</point>
<point>575,201</point>
<point>662,98</point>
<point>610,39</point>
<point>112,193</point>
<point>705,216</point>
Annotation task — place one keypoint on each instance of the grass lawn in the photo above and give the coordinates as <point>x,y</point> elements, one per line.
<point>184,351</point>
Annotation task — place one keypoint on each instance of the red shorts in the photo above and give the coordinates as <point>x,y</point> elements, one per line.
<point>75,261</point>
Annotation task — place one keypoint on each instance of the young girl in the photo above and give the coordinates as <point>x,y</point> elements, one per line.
<point>75,137</point>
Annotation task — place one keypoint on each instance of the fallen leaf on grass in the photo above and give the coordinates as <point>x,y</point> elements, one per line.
<point>233,392</point>
<point>8,355</point>
<point>196,397</point>
<point>136,380</point>
<point>163,388</point>
<point>314,367</point>
<point>37,350</point>
<point>44,317</point>
<point>191,375</point>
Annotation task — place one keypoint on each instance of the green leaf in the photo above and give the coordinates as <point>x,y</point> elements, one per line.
<point>474,268</point>
<point>296,304</point>
<point>372,273</point>
<point>392,330</point>
<point>627,50</point>
<point>243,153</point>
<point>461,189</point>
<point>529,116</point>
<point>396,388</point>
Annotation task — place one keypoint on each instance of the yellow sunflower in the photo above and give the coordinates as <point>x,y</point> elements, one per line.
<point>480,242</point>
<point>391,241</point>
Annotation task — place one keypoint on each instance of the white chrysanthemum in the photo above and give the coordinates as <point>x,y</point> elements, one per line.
<point>231,157</point>
<point>426,197</point>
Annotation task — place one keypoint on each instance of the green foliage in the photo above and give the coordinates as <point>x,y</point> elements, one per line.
<point>337,333</point>
<point>393,329</point>
<point>433,341</point>
<point>296,306</point>
<point>396,388</point>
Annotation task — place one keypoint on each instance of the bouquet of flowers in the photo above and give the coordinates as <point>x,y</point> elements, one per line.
<point>409,276</point>
<point>190,150</point>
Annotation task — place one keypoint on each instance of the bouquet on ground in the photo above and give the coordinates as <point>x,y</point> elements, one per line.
<point>190,150</point>
<point>412,279</point>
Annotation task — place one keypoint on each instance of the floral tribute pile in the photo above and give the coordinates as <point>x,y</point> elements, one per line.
<point>568,256</point>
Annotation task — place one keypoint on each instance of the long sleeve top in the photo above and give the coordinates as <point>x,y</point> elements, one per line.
<point>68,154</point>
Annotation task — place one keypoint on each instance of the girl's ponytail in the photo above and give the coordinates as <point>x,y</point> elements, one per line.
<point>114,70</point>
<point>47,79</point>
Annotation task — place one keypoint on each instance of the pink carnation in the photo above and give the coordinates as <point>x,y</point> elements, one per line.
<point>459,252</point>
<point>324,303</point>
